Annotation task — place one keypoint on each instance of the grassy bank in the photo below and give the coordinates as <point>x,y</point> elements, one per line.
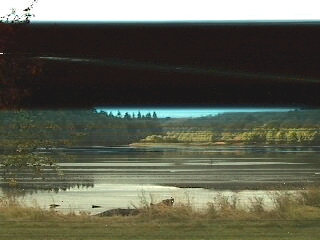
<point>294,216</point>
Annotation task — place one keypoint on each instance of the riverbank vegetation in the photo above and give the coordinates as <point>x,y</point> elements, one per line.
<point>294,216</point>
<point>294,127</point>
<point>257,136</point>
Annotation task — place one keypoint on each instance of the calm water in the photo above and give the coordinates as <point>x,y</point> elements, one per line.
<point>121,176</point>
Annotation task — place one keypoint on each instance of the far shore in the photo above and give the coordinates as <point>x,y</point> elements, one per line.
<point>178,145</point>
<point>207,144</point>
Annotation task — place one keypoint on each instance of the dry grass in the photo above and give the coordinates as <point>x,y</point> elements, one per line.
<point>310,197</point>
<point>287,206</point>
<point>13,210</point>
<point>300,205</point>
<point>294,216</point>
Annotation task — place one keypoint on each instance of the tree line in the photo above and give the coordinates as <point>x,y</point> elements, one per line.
<point>53,128</point>
<point>127,115</point>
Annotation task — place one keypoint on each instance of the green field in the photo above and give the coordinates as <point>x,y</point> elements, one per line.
<point>129,228</point>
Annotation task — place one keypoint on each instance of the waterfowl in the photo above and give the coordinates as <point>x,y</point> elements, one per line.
<point>54,205</point>
<point>96,206</point>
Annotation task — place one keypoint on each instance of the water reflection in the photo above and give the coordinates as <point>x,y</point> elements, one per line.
<point>30,187</point>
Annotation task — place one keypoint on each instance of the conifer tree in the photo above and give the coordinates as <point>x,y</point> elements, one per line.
<point>154,115</point>
<point>148,116</point>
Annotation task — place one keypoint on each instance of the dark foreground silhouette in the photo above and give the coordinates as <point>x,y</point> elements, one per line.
<point>119,212</point>
<point>133,211</point>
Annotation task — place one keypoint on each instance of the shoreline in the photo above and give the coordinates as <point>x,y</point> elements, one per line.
<point>251,186</point>
<point>208,144</point>
<point>179,145</point>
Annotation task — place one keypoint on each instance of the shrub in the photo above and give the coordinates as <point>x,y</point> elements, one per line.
<point>310,197</point>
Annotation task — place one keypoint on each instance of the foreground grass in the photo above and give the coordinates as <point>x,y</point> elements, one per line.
<point>293,217</point>
<point>128,228</point>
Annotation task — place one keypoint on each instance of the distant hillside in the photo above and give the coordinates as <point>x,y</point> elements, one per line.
<point>300,126</point>
<point>290,119</point>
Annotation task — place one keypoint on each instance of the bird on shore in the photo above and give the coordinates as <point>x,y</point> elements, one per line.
<point>167,202</point>
<point>96,206</point>
<point>54,205</point>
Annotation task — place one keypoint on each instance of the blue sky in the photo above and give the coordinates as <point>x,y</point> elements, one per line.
<point>188,112</point>
<point>167,10</point>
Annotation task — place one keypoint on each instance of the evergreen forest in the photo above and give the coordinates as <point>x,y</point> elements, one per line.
<point>56,128</point>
